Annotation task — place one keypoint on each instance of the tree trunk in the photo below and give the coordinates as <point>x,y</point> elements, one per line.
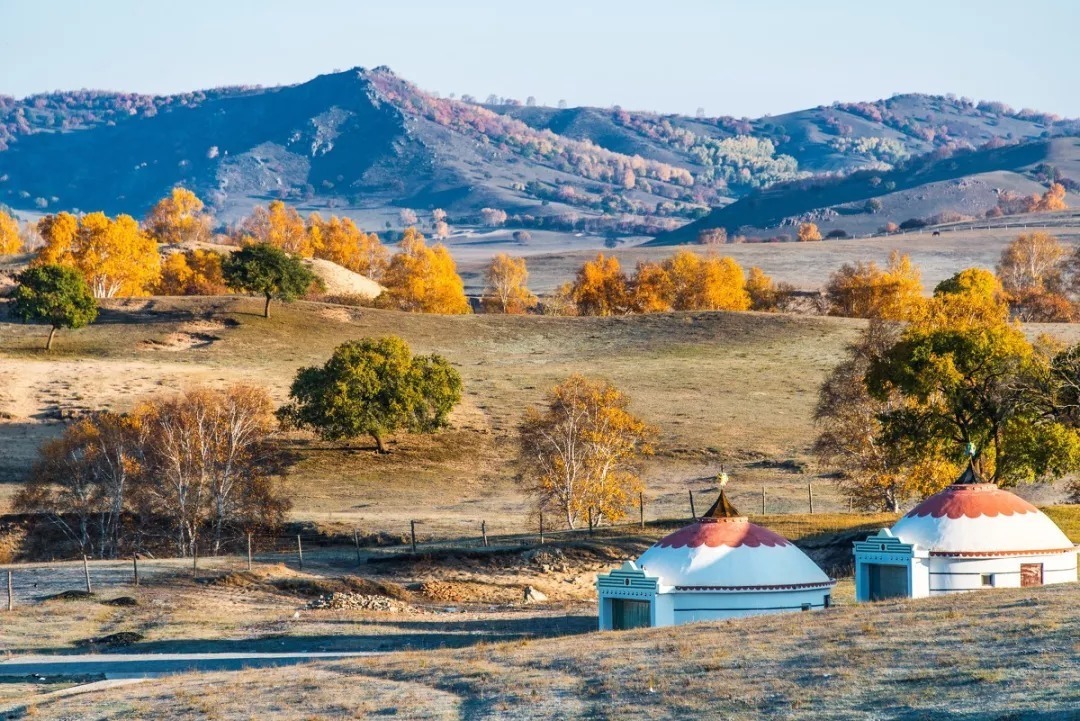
<point>380,448</point>
<point>48,343</point>
<point>266,308</point>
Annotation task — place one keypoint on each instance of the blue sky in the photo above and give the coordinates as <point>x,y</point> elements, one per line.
<point>732,58</point>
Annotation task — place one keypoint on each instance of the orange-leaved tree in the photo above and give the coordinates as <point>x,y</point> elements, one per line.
<point>600,287</point>
<point>10,240</point>
<point>340,241</point>
<point>114,255</point>
<point>179,218</point>
<point>280,226</point>
<point>507,285</point>
<point>1053,199</point>
<point>1032,273</point>
<point>192,272</point>
<point>651,289</point>
<point>863,290</point>
<point>706,283</point>
<point>808,232</point>
<point>578,454</point>
<point>424,279</point>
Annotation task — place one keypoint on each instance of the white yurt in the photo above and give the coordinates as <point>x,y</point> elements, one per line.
<point>970,536</point>
<point>720,566</point>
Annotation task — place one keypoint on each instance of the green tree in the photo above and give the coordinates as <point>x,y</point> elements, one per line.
<point>264,268</point>
<point>56,295</point>
<point>373,387</point>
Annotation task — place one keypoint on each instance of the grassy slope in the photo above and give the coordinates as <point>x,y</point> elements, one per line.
<point>1008,651</point>
<point>736,388</point>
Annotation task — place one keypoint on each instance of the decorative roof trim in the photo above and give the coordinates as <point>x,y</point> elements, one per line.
<point>993,554</point>
<point>778,587</point>
<point>976,500</point>
<point>717,532</point>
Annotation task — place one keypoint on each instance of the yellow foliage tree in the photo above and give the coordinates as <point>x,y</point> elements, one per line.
<point>58,233</point>
<point>179,218</point>
<point>507,290</point>
<point>710,283</point>
<point>863,290</point>
<point>971,299</point>
<point>114,255</point>
<point>808,232</point>
<point>340,241</point>
<point>192,272</point>
<point>280,226</point>
<point>1053,199</point>
<point>763,291</point>
<point>579,454</point>
<point>10,239</point>
<point>600,287</point>
<point>424,279</point>
<point>651,288</point>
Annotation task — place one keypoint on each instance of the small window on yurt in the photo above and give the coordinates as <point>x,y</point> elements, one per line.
<point>806,607</point>
<point>988,579</point>
<point>828,600</point>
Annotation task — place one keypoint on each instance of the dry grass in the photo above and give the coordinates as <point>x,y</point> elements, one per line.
<point>1007,652</point>
<point>734,388</point>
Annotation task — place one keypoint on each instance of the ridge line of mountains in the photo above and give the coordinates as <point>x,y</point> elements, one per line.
<point>367,143</point>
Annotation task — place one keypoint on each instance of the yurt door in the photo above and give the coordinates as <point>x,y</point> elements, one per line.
<point>887,581</point>
<point>626,613</point>
<point>1031,574</point>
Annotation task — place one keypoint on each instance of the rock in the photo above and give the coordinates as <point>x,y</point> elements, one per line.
<point>534,596</point>
<point>362,602</point>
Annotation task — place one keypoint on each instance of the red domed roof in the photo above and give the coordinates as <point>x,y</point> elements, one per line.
<point>715,532</point>
<point>973,501</point>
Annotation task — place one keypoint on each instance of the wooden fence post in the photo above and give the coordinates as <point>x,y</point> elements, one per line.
<point>135,567</point>
<point>249,549</point>
<point>641,509</point>
<point>763,499</point>
<point>412,535</point>
<point>195,558</point>
<point>300,551</point>
<point>483,530</point>
<point>810,494</point>
<point>86,574</point>
<point>590,522</point>
<point>541,528</point>
<point>356,541</point>
<point>693,513</point>
<point>10,593</point>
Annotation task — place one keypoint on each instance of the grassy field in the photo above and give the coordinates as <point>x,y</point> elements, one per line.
<point>1007,654</point>
<point>722,388</point>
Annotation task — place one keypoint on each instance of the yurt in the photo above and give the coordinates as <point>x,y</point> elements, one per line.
<point>970,536</point>
<point>720,566</point>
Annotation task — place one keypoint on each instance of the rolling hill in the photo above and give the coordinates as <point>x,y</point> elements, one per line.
<point>931,189</point>
<point>367,142</point>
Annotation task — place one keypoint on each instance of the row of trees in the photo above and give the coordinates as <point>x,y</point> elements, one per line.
<point>898,414</point>
<point>685,281</point>
<point>1037,277</point>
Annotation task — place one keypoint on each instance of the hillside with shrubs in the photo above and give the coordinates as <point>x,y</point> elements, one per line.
<point>371,139</point>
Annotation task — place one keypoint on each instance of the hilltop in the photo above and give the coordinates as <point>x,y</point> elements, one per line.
<point>366,143</point>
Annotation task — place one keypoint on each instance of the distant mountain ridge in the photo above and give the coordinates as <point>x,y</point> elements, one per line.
<point>370,139</point>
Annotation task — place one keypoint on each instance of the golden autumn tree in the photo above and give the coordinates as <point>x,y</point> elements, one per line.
<point>808,232</point>
<point>578,454</point>
<point>863,290</point>
<point>58,235</point>
<point>179,218</point>
<point>1053,199</point>
<point>600,287</point>
<point>10,239</point>
<point>651,289</point>
<point>192,272</point>
<point>340,241</point>
<point>506,288</point>
<point>424,279</point>
<point>280,226</point>
<point>114,255</point>
<point>709,283</point>
<point>765,293</point>
<point>1032,273</point>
